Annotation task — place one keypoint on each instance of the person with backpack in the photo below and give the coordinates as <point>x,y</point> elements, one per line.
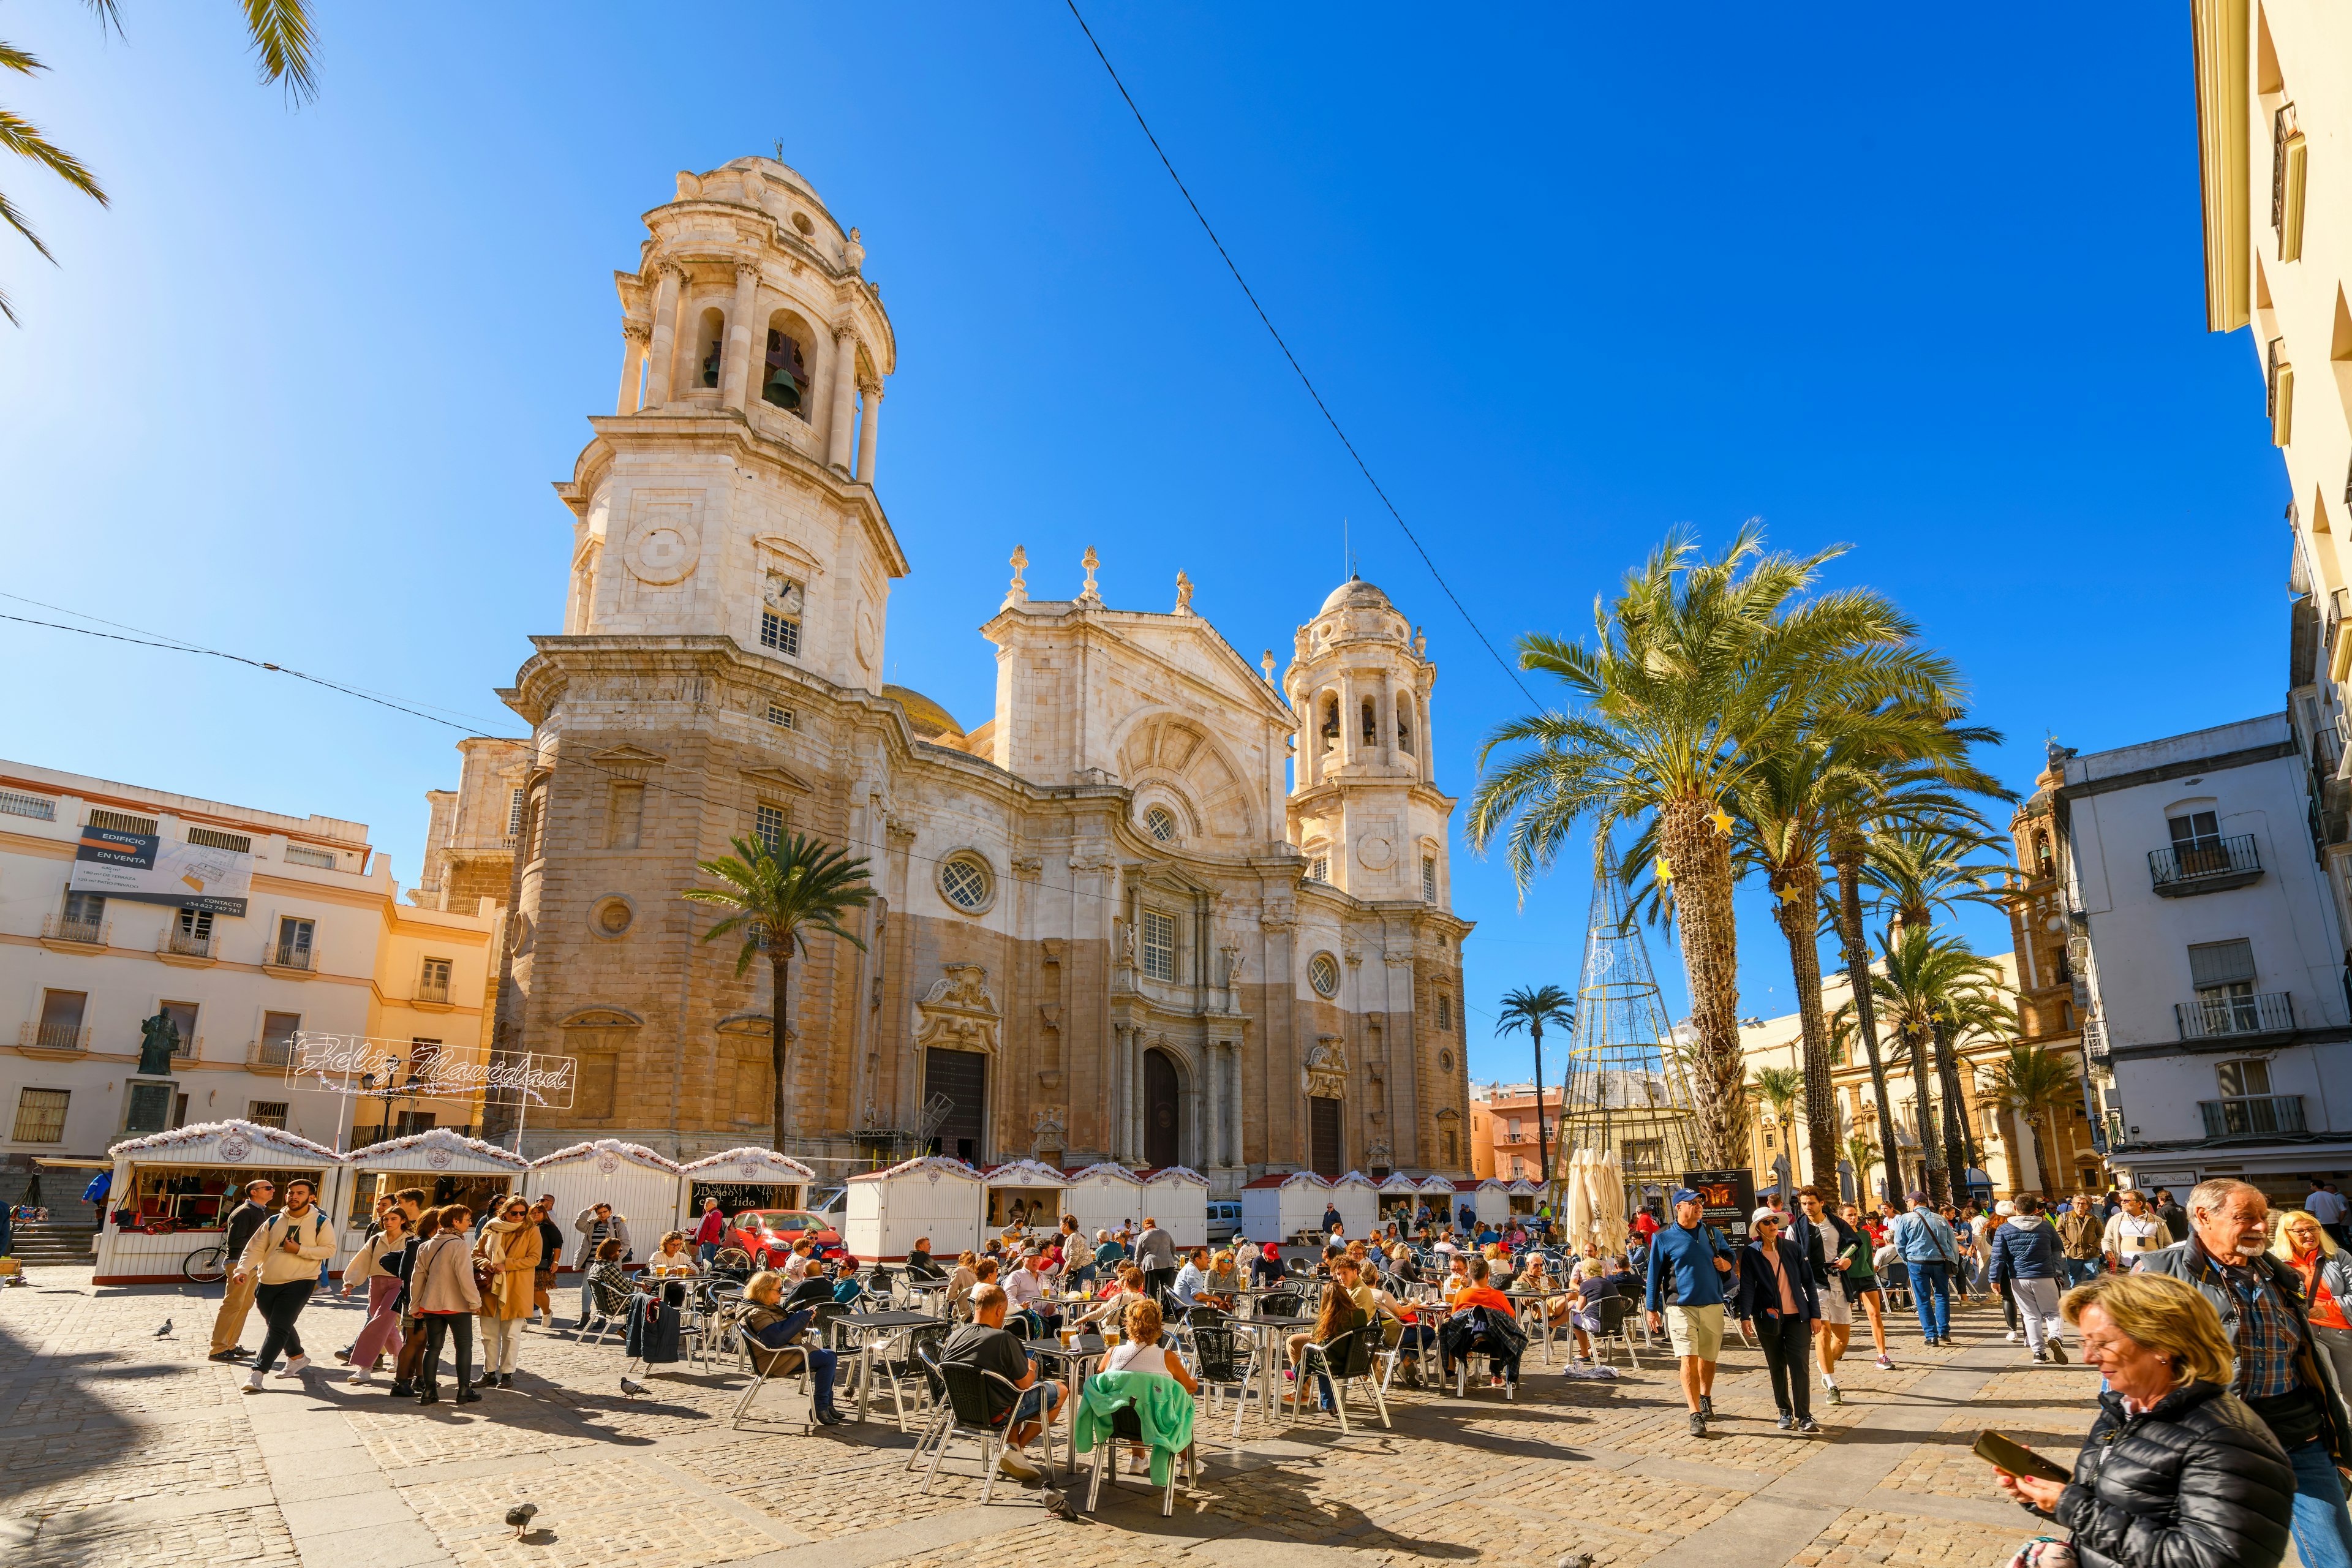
<point>441,1287</point>
<point>236,1299</point>
<point>282,1261</point>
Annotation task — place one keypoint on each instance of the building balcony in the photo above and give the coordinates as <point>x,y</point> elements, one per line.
<point>187,948</point>
<point>53,1037</point>
<point>269,1054</point>
<point>288,962</point>
<point>61,934</point>
<point>2094,1039</point>
<point>2231,1017</point>
<point>2253,1116</point>
<point>431,995</point>
<point>2204,865</point>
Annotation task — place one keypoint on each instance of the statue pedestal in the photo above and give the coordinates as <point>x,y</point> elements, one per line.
<point>147,1105</point>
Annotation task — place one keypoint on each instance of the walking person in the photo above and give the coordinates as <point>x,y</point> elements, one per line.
<point>596,1224</point>
<point>2079,1238</point>
<point>283,1260</point>
<point>550,1256</point>
<point>2175,1217</point>
<point>2323,1204</point>
<point>1688,1263</point>
<point>711,1232</point>
<point>447,1300</point>
<point>2280,1372</point>
<point>2305,1245</point>
<point>1822,1240</point>
<point>1776,1296</point>
<point>2133,1231</point>
<point>228,1323</point>
<point>509,1248</point>
<point>381,1264</point>
<point>1155,1253</point>
<point>1930,1254</point>
<point>2027,1260</point>
<point>1077,1255</point>
<point>1861,1283</point>
<point>410,1360</point>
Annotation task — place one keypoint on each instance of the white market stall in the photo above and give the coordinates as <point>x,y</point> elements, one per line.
<point>1178,1197</point>
<point>172,1193</point>
<point>1437,1192</point>
<point>1523,1195</point>
<point>446,1165</point>
<point>1489,1200</point>
<point>1103,1197</point>
<point>885,1213</point>
<point>1021,1195</point>
<point>1358,1198</point>
<point>640,1184</point>
<point>1400,1195</point>
<point>739,1179</point>
<point>1276,1207</point>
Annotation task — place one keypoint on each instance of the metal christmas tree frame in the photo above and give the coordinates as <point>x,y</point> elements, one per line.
<point>1626,1090</point>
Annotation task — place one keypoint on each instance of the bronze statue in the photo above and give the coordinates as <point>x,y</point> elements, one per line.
<point>158,1038</point>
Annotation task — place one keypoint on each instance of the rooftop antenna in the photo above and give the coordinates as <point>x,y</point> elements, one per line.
<point>779,149</point>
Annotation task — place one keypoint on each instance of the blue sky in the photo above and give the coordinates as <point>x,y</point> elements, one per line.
<point>1911,282</point>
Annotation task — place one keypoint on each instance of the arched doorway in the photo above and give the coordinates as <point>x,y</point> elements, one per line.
<point>1164,1111</point>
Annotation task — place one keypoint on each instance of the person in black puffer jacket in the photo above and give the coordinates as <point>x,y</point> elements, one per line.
<point>2178,1471</point>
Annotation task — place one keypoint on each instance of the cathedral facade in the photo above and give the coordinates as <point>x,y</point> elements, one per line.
<point>1162,907</point>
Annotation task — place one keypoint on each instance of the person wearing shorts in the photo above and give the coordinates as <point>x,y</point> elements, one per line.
<point>1861,1284</point>
<point>1821,1238</point>
<point>1688,1263</point>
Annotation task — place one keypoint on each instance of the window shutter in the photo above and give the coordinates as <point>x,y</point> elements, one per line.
<point>2221,963</point>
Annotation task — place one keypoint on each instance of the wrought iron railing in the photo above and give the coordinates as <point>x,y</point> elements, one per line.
<point>287,955</point>
<point>2193,859</point>
<point>53,1037</point>
<point>2218,1017</point>
<point>432,991</point>
<point>2252,1115</point>
<point>2094,1038</point>
<point>65,928</point>
<point>185,944</point>
<point>269,1053</point>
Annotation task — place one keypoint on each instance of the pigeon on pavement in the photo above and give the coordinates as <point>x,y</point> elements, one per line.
<point>519,1518</point>
<point>165,1331</point>
<point>1059,1507</point>
<point>631,1388</point>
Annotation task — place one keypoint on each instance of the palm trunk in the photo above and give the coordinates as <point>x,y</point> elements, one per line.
<point>1924,1113</point>
<point>1959,1148</point>
<point>1800,888</point>
<point>1846,858</point>
<point>1543,1141</point>
<point>779,965</point>
<point>1701,860</point>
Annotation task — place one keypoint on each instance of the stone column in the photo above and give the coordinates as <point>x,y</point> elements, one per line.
<point>866,432</point>
<point>844,387</point>
<point>633,366</point>
<point>664,349</point>
<point>1115,1121</point>
<point>735,373</point>
<point>1351,722</point>
<point>1213,1104</point>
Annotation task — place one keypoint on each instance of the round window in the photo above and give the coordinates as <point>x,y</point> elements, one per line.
<point>1445,1061</point>
<point>614,916</point>
<point>1323,970</point>
<point>1160,824</point>
<point>964,881</point>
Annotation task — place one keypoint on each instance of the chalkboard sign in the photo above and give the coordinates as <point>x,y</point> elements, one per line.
<point>1728,1197</point>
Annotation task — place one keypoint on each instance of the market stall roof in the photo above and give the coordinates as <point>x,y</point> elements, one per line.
<point>1293,1178</point>
<point>1399,1182</point>
<point>1109,1168</point>
<point>637,1153</point>
<point>1175,1174</point>
<point>438,1149</point>
<point>749,1165</point>
<point>1436,1184</point>
<point>1524,1188</point>
<point>1025,1173</point>
<point>1355,1179</point>
<point>1473,1183</point>
<point>937,1164</point>
<point>230,1142</point>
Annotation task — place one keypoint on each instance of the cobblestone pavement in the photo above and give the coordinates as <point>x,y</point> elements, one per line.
<point>116,1445</point>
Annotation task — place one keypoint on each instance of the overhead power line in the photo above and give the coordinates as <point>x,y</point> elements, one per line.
<point>1304,379</point>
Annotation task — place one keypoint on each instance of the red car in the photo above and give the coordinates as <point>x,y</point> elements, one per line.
<point>767,1235</point>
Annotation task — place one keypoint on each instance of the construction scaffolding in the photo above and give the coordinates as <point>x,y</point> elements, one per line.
<point>1626,1094</point>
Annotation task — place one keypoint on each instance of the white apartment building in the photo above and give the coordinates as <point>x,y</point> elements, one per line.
<point>2220,1036</point>
<point>323,944</point>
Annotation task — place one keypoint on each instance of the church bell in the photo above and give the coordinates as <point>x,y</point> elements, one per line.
<point>786,376</point>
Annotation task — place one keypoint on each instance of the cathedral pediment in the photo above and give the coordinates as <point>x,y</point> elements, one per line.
<point>780,778</point>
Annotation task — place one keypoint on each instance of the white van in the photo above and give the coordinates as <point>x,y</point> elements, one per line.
<point>1225,1223</point>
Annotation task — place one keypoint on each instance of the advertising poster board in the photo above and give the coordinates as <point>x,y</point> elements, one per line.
<point>1729,1197</point>
<point>144,869</point>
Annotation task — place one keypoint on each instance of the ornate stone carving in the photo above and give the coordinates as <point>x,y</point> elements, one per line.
<point>1050,949</point>
<point>958,1013</point>
<point>1377,1152</point>
<point>1018,594</point>
<point>1050,1015</point>
<point>1045,1131</point>
<point>1325,1070</point>
<point>1091,592</point>
<point>1029,868</point>
<point>1183,595</point>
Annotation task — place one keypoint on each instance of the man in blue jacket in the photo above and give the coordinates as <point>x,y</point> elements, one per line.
<point>1929,1252</point>
<point>1687,1263</point>
<point>2026,1255</point>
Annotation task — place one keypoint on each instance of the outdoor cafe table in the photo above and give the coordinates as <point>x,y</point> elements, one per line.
<point>1074,1359</point>
<point>1543,1316</point>
<point>1270,1334</point>
<point>1249,1294</point>
<point>871,1327</point>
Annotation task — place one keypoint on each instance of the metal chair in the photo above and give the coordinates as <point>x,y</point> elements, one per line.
<point>1221,1363</point>
<point>1616,1325</point>
<point>1343,1359</point>
<point>1125,1429</point>
<point>1394,1352</point>
<point>764,1364</point>
<point>1479,1346</point>
<point>968,1416</point>
<point>899,1362</point>
<point>1280,1304</point>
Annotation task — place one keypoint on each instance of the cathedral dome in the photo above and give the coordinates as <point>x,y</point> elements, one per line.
<point>1355,591</point>
<point>929,721</point>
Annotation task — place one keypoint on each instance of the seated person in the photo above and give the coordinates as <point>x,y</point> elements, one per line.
<point>1110,1251</point>
<point>609,1284</point>
<point>918,1260</point>
<point>1193,1283</point>
<point>1344,1307</point>
<point>846,1287</point>
<point>1623,1280</point>
<point>1477,1292</point>
<point>775,1334</point>
<point>1537,1277</point>
<point>1029,1290</point>
<point>1593,1287</point>
<point>983,1343</point>
<point>960,1282</point>
<point>1456,1280</point>
<point>1267,1268</point>
<point>804,1259</point>
<point>1126,1290</point>
<point>1223,1285</point>
<point>1142,1351</point>
<point>1403,1265</point>
<point>672,1260</point>
<point>814,1290</point>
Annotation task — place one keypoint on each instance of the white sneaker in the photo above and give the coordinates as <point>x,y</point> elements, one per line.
<point>1017,1466</point>
<point>253,1384</point>
<point>2011,1336</point>
<point>359,1378</point>
<point>295,1366</point>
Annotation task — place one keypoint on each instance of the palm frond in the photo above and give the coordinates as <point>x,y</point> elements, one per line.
<point>283,40</point>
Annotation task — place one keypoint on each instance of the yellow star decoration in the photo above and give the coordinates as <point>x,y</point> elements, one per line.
<point>1665,872</point>
<point>1722,820</point>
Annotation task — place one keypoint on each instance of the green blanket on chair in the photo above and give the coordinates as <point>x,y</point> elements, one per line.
<point>1163,1411</point>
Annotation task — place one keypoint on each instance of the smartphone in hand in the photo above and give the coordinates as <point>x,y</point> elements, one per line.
<point>2007,1454</point>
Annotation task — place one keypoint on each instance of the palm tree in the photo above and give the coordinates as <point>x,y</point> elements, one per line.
<point>2037,1086</point>
<point>1934,989</point>
<point>1916,869</point>
<point>280,30</point>
<point>1861,1149</point>
<point>1780,1089</point>
<point>1531,1010</point>
<point>778,895</point>
<point>1697,671</point>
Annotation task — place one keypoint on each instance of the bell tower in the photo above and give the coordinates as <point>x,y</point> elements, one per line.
<point>730,492</point>
<point>1364,811</point>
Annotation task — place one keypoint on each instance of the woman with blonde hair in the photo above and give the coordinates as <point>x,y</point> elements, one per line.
<point>509,1248</point>
<point>672,1260</point>
<point>2176,1468</point>
<point>1142,1351</point>
<point>2326,1269</point>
